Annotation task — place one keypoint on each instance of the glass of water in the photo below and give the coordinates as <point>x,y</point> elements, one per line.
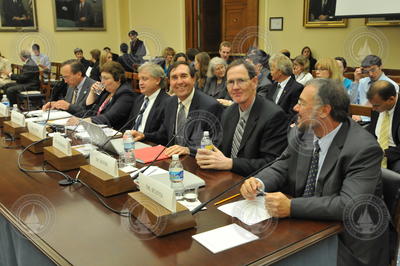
<point>190,194</point>
<point>99,87</point>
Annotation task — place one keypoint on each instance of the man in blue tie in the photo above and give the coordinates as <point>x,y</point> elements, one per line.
<point>329,162</point>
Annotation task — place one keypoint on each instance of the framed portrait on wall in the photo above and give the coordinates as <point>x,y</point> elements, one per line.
<point>321,14</point>
<point>77,15</point>
<point>18,15</point>
<point>383,21</point>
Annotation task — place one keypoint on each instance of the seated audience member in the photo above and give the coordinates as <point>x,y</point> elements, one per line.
<point>254,129</point>
<point>182,114</point>
<point>260,59</point>
<point>79,56</point>
<point>73,74</point>
<point>180,57</point>
<point>201,62</point>
<point>225,48</point>
<point>138,49</point>
<point>114,103</point>
<point>168,55</point>
<point>329,162</point>
<point>125,59</point>
<point>301,67</point>
<point>113,55</point>
<point>285,52</point>
<point>342,69</point>
<point>95,72</point>
<point>216,79</point>
<point>306,51</point>
<point>41,60</point>
<point>385,121</point>
<point>191,54</point>
<point>371,65</point>
<point>147,113</point>
<point>285,90</point>
<point>5,67</point>
<point>27,79</point>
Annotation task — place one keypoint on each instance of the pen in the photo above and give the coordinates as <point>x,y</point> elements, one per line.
<point>260,192</point>
<point>229,198</point>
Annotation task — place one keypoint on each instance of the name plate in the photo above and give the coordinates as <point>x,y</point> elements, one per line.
<point>104,162</point>
<point>62,144</point>
<point>18,118</point>
<point>157,191</point>
<point>37,129</point>
<point>4,110</point>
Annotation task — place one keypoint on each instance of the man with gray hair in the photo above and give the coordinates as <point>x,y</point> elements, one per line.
<point>285,90</point>
<point>329,163</point>
<point>28,79</point>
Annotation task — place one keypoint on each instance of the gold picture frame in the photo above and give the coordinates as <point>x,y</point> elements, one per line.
<point>383,21</point>
<point>315,17</point>
<point>18,16</point>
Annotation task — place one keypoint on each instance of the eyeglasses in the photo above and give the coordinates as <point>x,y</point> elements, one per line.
<point>371,70</point>
<point>301,103</point>
<point>239,82</point>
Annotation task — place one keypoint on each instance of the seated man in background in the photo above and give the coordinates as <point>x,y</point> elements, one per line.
<point>125,59</point>
<point>78,52</point>
<point>330,161</point>
<point>28,79</point>
<point>183,114</point>
<point>385,121</point>
<point>254,129</point>
<point>225,51</point>
<point>73,73</point>
<point>40,59</point>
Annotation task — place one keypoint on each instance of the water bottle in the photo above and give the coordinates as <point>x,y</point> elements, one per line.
<point>5,101</point>
<point>176,177</point>
<point>15,108</point>
<point>129,148</point>
<point>206,142</point>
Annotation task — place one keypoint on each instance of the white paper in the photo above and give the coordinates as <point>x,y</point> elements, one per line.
<point>224,238</point>
<point>248,211</point>
<point>191,205</point>
<point>59,122</point>
<point>42,115</point>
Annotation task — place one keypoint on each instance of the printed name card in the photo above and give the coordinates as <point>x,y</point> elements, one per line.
<point>158,191</point>
<point>62,144</point>
<point>4,110</point>
<point>104,162</point>
<point>37,130</point>
<point>18,118</point>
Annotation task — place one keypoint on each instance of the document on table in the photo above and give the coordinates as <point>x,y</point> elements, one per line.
<point>224,238</point>
<point>248,211</point>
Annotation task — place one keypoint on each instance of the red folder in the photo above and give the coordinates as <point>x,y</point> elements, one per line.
<point>148,154</point>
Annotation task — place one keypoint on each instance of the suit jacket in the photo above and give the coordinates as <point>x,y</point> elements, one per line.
<point>78,108</point>
<point>156,115</point>
<point>116,112</point>
<point>351,168</point>
<point>86,12</point>
<point>392,153</point>
<point>138,50</point>
<point>204,114</point>
<point>11,9</point>
<point>317,9</point>
<point>216,91</point>
<point>264,137</point>
<point>289,96</point>
<point>29,74</point>
<point>126,61</point>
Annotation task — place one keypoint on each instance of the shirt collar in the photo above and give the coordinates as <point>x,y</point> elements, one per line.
<point>81,84</point>
<point>326,141</point>
<point>188,100</point>
<point>245,114</point>
<point>283,83</point>
<point>154,95</point>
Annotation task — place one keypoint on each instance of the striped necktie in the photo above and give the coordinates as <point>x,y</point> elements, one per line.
<point>309,189</point>
<point>383,139</point>
<point>139,118</point>
<point>74,95</point>
<point>237,137</point>
<point>180,123</point>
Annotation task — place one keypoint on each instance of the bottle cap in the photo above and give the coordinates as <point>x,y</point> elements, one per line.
<point>175,157</point>
<point>206,133</point>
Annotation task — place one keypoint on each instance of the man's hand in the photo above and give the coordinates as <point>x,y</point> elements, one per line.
<point>215,159</point>
<point>357,74</point>
<point>61,104</point>
<point>249,188</point>
<point>137,135</point>
<point>73,121</point>
<point>356,118</point>
<point>48,105</point>
<point>177,149</point>
<point>277,204</point>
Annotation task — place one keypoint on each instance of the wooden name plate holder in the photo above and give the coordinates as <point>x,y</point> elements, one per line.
<point>158,219</point>
<point>61,161</point>
<point>28,138</point>
<point>13,129</point>
<point>104,183</point>
<point>3,119</point>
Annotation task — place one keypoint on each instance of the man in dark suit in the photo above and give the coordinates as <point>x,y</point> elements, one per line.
<point>263,125</point>
<point>83,14</point>
<point>385,116</point>
<point>329,163</point>
<point>78,52</point>
<point>285,91</point>
<point>322,10</point>
<point>147,113</point>
<point>27,79</point>
<point>186,115</point>
<point>15,14</point>
<point>73,73</point>
<point>138,50</point>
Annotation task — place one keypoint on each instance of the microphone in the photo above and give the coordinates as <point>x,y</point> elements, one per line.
<point>201,206</point>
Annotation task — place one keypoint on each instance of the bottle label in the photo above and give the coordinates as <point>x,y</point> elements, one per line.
<point>6,104</point>
<point>208,147</point>
<point>176,176</point>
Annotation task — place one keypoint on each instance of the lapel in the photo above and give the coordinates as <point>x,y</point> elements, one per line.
<point>251,123</point>
<point>305,150</point>
<point>271,90</point>
<point>174,110</point>
<point>396,122</point>
<point>153,109</point>
<point>285,90</point>
<point>83,91</point>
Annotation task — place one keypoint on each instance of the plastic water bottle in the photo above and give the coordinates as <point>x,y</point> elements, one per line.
<point>176,177</point>
<point>206,142</point>
<point>5,101</point>
<point>129,149</point>
<point>15,108</point>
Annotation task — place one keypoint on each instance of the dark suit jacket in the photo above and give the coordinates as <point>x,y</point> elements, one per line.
<point>86,12</point>
<point>138,50</point>
<point>156,115</point>
<point>10,10</point>
<point>204,114</point>
<point>289,96</point>
<point>216,91</point>
<point>78,108</point>
<point>116,112</point>
<point>126,60</point>
<point>351,168</point>
<point>264,136</point>
<point>392,153</point>
<point>316,8</point>
<point>29,74</point>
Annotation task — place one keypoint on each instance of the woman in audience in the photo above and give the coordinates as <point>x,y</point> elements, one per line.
<point>201,65</point>
<point>168,55</point>
<point>328,68</point>
<point>95,73</point>
<point>306,51</point>
<point>301,67</point>
<point>5,67</point>
<point>342,68</point>
<point>216,79</point>
<point>180,57</point>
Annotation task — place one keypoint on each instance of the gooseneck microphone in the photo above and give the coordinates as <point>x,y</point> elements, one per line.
<point>201,206</point>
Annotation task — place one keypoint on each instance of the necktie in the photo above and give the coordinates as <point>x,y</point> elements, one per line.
<point>278,89</point>
<point>237,137</point>
<point>74,96</point>
<point>383,139</point>
<point>309,190</point>
<point>139,118</point>
<point>180,123</point>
